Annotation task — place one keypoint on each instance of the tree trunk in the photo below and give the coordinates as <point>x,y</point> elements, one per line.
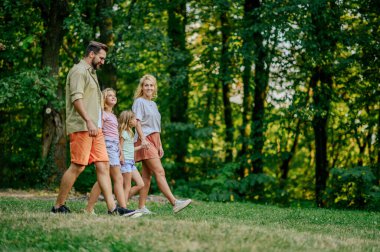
<point>225,78</point>
<point>247,73</point>
<point>361,147</point>
<point>108,74</point>
<point>53,131</point>
<point>377,168</point>
<point>321,83</point>
<point>261,79</point>
<point>179,81</point>
<point>284,168</point>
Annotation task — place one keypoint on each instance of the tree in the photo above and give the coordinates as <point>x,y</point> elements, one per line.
<point>247,51</point>
<point>108,75</point>
<point>324,23</point>
<point>179,81</point>
<point>225,76</point>
<point>53,131</point>
<point>261,79</point>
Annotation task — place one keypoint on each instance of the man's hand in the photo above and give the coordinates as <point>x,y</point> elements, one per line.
<point>92,129</point>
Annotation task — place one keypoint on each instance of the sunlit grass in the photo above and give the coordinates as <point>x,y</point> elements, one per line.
<point>26,224</point>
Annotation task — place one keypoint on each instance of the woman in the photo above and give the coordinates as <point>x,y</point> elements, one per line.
<point>148,136</point>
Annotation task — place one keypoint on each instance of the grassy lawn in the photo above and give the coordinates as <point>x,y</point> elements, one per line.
<point>27,225</point>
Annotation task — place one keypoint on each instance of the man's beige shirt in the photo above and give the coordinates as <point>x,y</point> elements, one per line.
<point>82,83</point>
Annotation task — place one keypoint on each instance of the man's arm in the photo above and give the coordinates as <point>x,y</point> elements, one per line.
<point>92,129</point>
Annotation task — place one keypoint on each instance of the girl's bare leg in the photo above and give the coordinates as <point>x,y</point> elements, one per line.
<point>147,177</point>
<point>127,179</point>
<point>118,189</point>
<point>139,183</point>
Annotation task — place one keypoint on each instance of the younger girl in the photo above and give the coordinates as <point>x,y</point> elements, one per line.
<point>127,121</point>
<point>111,135</point>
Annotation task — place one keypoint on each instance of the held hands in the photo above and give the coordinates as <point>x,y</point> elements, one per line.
<point>144,143</point>
<point>92,129</point>
<point>122,160</point>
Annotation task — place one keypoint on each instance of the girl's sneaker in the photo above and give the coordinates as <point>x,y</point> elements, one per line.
<point>137,215</point>
<point>122,212</point>
<point>61,210</point>
<point>89,213</point>
<point>144,210</point>
<point>180,204</point>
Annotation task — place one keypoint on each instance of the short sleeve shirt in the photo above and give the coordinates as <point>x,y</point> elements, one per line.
<point>110,127</point>
<point>128,147</point>
<point>146,112</point>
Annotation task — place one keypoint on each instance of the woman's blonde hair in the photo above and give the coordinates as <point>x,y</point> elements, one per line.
<point>143,80</point>
<point>124,121</point>
<point>105,93</point>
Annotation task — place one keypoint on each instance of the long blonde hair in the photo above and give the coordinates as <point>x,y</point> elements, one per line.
<point>143,80</point>
<point>124,121</point>
<point>105,93</point>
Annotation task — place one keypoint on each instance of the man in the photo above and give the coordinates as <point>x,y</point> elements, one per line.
<point>83,125</point>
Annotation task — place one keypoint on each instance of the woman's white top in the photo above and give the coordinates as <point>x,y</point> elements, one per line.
<point>146,112</point>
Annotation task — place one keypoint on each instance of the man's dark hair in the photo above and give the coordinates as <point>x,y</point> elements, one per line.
<point>95,47</point>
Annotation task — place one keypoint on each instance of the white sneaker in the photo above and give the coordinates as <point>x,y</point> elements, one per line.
<point>88,213</point>
<point>144,210</point>
<point>180,204</point>
<point>137,215</point>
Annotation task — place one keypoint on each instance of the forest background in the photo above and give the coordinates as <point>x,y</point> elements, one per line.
<point>265,101</point>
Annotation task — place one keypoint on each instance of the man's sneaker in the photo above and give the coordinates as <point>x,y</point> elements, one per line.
<point>144,210</point>
<point>122,211</point>
<point>62,209</point>
<point>180,204</point>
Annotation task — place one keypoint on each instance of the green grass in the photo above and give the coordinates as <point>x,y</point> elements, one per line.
<point>27,225</point>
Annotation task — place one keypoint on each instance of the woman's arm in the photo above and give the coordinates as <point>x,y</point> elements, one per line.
<point>144,142</point>
<point>160,149</point>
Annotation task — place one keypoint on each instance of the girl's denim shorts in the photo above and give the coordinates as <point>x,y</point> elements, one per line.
<point>128,166</point>
<point>113,152</point>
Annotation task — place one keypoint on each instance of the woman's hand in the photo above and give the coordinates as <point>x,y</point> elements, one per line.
<point>144,143</point>
<point>161,152</point>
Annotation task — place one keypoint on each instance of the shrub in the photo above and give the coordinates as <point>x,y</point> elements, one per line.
<point>352,188</point>
<point>86,180</point>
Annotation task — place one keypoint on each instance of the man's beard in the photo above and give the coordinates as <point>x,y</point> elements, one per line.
<point>95,65</point>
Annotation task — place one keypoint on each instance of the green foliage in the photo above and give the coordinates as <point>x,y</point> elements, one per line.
<point>259,187</point>
<point>352,188</point>
<point>86,180</point>
<point>28,89</point>
<point>23,97</point>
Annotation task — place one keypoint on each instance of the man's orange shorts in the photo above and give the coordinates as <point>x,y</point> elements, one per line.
<point>85,150</point>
